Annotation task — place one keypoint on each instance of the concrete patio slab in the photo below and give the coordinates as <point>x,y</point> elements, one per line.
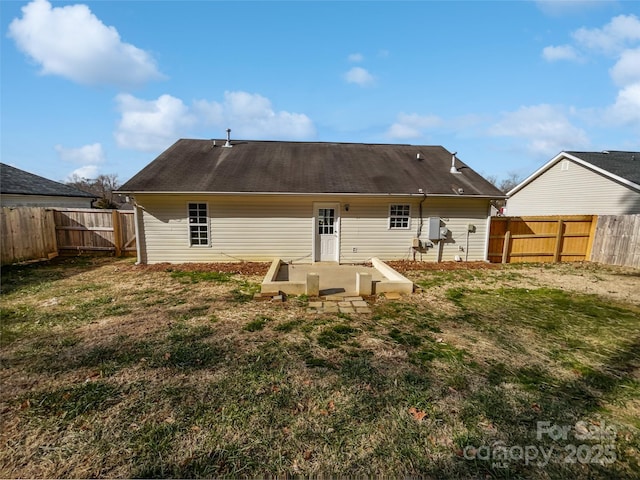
<point>334,281</point>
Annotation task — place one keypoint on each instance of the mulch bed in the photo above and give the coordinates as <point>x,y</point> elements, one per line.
<point>260,268</point>
<point>239,268</point>
<point>402,266</point>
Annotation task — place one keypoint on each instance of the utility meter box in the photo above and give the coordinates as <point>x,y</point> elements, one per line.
<point>435,232</point>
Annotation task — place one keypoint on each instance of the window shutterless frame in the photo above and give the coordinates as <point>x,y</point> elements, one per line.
<point>198,217</point>
<point>399,216</point>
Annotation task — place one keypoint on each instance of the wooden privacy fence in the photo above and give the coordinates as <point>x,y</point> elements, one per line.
<point>28,233</point>
<point>541,239</point>
<point>86,230</point>
<point>34,233</point>
<point>617,240</point>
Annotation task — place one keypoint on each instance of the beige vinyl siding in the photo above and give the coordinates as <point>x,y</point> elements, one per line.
<point>13,200</point>
<point>574,191</point>
<point>241,228</point>
<point>456,215</point>
<point>365,227</point>
<point>259,228</point>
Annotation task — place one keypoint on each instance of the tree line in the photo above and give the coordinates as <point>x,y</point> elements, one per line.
<point>102,187</point>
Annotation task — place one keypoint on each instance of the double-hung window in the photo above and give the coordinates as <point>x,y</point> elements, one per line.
<point>399,217</point>
<point>198,224</point>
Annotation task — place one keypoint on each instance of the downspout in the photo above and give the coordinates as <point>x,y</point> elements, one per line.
<point>466,248</point>
<point>420,225</point>
<point>421,222</point>
<point>136,224</point>
<point>487,233</point>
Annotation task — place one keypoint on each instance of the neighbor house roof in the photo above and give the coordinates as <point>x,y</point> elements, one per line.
<point>18,182</point>
<point>307,168</point>
<point>622,167</point>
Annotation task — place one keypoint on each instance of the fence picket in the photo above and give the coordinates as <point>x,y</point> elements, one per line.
<point>35,233</point>
<point>610,239</point>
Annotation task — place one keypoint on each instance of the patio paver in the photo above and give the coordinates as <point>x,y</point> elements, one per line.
<point>339,303</point>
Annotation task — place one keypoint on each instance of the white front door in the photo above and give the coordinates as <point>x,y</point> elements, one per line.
<point>327,223</point>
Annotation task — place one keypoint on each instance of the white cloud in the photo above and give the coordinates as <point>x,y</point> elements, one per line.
<point>359,76</point>
<point>356,57</point>
<point>546,129</point>
<point>412,125</point>
<point>151,125</point>
<point>72,42</point>
<point>252,116</point>
<point>88,172</point>
<point>209,113</point>
<point>627,69</point>
<point>626,109</point>
<point>156,124</point>
<point>402,131</point>
<point>561,52</point>
<point>615,37</point>
<point>87,154</point>
<point>619,39</point>
<point>620,32</point>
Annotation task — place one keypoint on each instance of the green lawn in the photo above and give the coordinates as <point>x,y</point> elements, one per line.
<point>114,370</point>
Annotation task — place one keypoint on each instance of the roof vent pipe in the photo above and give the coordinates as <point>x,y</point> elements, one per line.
<point>228,142</point>
<point>453,168</point>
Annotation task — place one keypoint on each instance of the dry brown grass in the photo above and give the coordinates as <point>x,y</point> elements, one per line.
<point>116,370</point>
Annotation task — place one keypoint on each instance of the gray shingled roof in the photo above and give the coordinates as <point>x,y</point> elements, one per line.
<point>18,182</point>
<point>299,167</point>
<point>622,164</point>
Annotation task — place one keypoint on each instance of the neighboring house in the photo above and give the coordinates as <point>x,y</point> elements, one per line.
<point>23,189</point>
<point>580,183</point>
<point>206,200</point>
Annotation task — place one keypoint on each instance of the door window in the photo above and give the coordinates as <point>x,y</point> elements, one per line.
<point>326,221</point>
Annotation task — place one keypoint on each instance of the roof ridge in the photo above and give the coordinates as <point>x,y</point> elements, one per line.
<point>604,152</point>
<point>243,140</point>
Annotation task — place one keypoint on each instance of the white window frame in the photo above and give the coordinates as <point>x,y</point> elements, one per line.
<point>398,217</point>
<point>206,223</point>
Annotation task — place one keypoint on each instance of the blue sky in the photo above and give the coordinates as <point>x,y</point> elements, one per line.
<point>104,87</point>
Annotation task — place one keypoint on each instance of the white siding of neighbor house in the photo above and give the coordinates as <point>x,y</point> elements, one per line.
<point>13,200</point>
<point>260,228</point>
<point>576,190</point>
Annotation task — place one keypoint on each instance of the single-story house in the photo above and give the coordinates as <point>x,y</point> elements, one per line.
<point>216,200</point>
<point>580,183</point>
<point>23,189</point>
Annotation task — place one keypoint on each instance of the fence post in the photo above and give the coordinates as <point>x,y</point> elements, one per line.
<point>117,233</point>
<point>505,247</point>
<point>592,236</point>
<point>558,246</point>
<point>507,241</point>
